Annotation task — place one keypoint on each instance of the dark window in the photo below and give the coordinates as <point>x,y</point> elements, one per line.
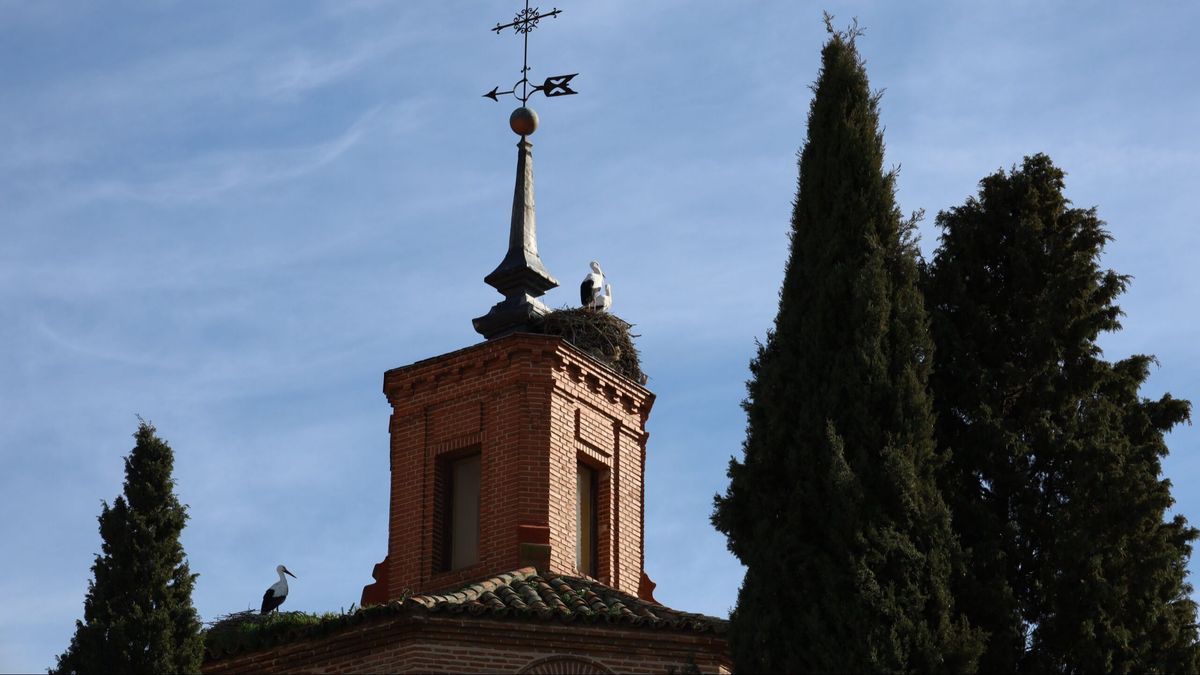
<point>585,521</point>
<point>457,526</point>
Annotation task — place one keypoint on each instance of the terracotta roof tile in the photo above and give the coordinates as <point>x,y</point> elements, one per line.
<point>522,594</point>
<point>525,593</point>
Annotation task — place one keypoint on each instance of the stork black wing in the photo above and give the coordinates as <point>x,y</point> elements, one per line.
<point>586,291</point>
<point>270,602</point>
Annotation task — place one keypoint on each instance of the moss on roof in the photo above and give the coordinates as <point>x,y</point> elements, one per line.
<point>523,594</point>
<point>249,630</point>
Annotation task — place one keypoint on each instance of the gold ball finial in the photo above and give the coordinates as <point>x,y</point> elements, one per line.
<point>524,121</point>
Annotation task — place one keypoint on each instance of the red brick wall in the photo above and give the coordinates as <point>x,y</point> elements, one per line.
<point>533,405</point>
<point>445,644</point>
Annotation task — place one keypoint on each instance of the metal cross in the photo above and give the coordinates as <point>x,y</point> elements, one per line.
<point>558,85</point>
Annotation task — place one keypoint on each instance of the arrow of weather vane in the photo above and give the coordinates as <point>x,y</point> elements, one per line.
<point>558,85</point>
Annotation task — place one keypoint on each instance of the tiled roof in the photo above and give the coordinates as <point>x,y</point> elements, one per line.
<point>525,593</point>
<point>520,595</point>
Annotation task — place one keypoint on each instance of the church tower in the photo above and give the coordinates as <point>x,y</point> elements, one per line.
<point>523,450</point>
<point>515,528</point>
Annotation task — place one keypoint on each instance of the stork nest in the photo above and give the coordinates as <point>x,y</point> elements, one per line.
<point>603,336</point>
<point>249,629</point>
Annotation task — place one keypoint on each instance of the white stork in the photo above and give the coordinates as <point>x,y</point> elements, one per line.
<point>278,591</point>
<point>595,292</point>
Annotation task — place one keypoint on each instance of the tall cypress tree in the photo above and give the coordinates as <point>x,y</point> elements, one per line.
<point>138,615</point>
<point>1054,472</point>
<point>834,509</point>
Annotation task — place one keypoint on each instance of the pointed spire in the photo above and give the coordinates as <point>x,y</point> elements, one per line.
<point>521,277</point>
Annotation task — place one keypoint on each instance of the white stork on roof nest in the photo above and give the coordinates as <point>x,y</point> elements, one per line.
<point>278,591</point>
<point>595,292</point>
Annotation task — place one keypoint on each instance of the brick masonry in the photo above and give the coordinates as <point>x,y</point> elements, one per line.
<point>452,644</point>
<point>532,406</point>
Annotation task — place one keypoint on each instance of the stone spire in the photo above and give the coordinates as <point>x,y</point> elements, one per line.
<point>521,277</point>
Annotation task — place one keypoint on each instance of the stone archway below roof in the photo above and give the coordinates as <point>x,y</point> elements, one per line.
<point>564,665</point>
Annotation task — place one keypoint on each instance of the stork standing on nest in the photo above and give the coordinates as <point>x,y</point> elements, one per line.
<point>595,292</point>
<point>278,591</point>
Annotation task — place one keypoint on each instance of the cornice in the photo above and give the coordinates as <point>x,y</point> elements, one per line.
<point>497,355</point>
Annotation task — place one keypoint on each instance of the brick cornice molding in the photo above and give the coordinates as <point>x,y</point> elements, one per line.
<point>409,640</point>
<point>582,368</point>
<point>497,355</point>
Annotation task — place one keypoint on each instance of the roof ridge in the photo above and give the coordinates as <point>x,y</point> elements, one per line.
<point>523,593</point>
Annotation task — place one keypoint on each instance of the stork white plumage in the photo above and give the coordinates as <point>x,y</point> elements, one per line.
<point>595,292</point>
<point>278,591</point>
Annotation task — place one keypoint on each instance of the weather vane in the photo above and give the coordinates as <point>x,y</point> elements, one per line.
<point>558,85</point>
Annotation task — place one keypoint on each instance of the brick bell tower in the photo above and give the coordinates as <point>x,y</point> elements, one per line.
<point>522,450</point>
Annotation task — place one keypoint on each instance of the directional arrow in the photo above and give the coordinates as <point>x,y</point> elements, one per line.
<point>559,85</point>
<point>495,93</point>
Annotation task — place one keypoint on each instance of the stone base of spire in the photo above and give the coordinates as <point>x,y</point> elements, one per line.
<point>511,315</point>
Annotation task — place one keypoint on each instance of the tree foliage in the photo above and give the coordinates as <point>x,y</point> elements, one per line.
<point>138,615</point>
<point>834,509</point>
<point>1054,472</point>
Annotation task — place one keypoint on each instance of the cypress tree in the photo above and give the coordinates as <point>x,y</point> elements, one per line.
<point>834,509</point>
<point>1054,478</point>
<point>138,613</point>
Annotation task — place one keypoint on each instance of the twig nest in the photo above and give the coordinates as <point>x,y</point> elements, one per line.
<point>602,335</point>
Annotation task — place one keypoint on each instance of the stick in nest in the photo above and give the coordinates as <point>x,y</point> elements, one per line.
<point>602,335</point>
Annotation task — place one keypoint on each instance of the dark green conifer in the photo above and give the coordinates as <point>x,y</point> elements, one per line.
<point>834,509</point>
<point>1054,472</point>
<point>138,615</point>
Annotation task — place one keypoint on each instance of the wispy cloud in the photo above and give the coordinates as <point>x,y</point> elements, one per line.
<point>89,119</point>
<point>211,175</point>
<point>214,174</point>
<point>302,71</point>
<point>260,63</point>
<point>92,352</point>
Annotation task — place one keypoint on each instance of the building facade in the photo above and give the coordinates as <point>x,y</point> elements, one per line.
<point>515,533</point>
<point>516,521</point>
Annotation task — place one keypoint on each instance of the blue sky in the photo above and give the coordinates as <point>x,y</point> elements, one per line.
<point>231,218</point>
